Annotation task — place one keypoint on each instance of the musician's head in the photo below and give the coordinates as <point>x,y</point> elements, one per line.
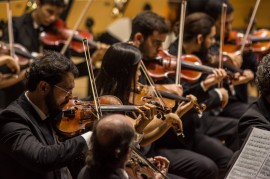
<point>199,33</point>
<point>263,77</point>
<point>119,71</point>
<point>111,140</point>
<point>149,31</point>
<point>50,79</point>
<point>214,9</point>
<point>48,11</point>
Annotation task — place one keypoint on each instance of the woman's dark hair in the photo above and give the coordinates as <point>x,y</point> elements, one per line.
<point>263,76</point>
<point>197,23</point>
<point>107,157</point>
<point>118,71</point>
<point>146,23</point>
<point>58,3</point>
<point>51,67</point>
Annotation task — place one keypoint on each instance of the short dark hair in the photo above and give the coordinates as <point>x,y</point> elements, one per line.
<point>263,76</point>
<point>51,67</point>
<point>146,23</point>
<point>214,8</point>
<point>197,23</point>
<point>59,3</point>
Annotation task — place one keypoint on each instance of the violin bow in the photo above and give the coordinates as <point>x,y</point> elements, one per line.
<point>152,84</point>
<point>249,26</point>
<point>180,41</point>
<point>10,29</point>
<point>221,42</point>
<point>92,77</point>
<point>86,7</point>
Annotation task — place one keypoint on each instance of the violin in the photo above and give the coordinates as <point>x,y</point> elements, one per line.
<point>79,116</point>
<point>145,93</point>
<point>258,41</point>
<point>138,167</point>
<point>60,33</point>
<point>165,65</point>
<point>22,55</point>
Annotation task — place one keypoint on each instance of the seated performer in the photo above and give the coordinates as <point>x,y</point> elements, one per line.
<point>111,142</point>
<point>29,146</point>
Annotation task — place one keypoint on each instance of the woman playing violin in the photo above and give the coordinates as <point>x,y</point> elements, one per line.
<point>118,76</point>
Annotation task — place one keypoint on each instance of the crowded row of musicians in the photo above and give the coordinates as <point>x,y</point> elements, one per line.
<point>158,129</point>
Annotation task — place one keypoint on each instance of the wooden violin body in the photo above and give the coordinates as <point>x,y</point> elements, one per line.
<point>60,34</point>
<point>165,65</point>
<point>137,169</point>
<point>78,116</point>
<point>22,55</point>
<point>258,42</point>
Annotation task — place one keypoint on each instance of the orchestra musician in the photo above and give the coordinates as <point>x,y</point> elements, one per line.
<point>246,61</point>
<point>258,113</point>
<point>149,30</point>
<point>112,139</point>
<point>122,83</point>
<point>214,124</point>
<point>118,77</point>
<point>29,146</point>
<point>26,31</point>
<point>27,28</point>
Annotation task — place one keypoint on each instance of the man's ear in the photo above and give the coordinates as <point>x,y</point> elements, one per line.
<point>199,39</point>
<point>138,39</point>
<point>37,3</point>
<point>43,87</point>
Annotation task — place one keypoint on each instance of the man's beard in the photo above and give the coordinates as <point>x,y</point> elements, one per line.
<point>203,53</point>
<point>53,108</point>
<point>144,50</point>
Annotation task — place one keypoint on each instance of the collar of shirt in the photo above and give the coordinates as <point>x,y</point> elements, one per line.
<point>40,113</point>
<point>35,25</point>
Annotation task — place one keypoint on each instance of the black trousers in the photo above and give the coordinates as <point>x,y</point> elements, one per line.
<point>207,158</point>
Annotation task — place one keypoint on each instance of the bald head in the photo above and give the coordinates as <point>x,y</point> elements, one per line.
<point>113,127</point>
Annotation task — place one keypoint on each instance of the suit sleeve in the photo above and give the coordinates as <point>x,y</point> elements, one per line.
<point>18,140</point>
<point>252,118</point>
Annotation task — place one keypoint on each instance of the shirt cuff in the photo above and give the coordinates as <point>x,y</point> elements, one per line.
<point>219,94</point>
<point>87,137</point>
<point>203,87</point>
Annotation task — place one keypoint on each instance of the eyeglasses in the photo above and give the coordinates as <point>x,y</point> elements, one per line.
<point>68,92</point>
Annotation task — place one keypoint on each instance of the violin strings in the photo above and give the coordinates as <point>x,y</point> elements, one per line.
<point>152,84</point>
<point>146,161</point>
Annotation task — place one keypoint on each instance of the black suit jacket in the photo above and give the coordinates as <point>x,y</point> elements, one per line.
<point>27,145</point>
<point>258,115</point>
<point>24,32</point>
<point>26,35</point>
